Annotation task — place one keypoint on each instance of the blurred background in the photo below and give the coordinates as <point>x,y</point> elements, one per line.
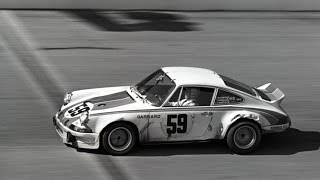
<point>251,5</point>
<point>48,48</point>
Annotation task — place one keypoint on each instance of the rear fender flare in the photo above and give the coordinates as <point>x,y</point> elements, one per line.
<point>228,119</point>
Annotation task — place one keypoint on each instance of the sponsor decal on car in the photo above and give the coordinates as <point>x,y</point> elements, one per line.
<point>279,127</point>
<point>148,116</point>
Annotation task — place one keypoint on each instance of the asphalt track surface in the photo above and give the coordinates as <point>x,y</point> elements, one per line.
<point>45,53</point>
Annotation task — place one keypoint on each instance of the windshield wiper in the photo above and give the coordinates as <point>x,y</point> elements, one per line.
<point>143,97</point>
<point>131,88</point>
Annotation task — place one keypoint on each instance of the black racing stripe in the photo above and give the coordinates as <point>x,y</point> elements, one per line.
<point>125,111</point>
<point>158,110</point>
<point>104,102</point>
<point>110,97</point>
<point>272,116</point>
<point>112,104</point>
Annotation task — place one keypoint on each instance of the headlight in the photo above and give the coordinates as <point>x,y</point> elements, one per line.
<point>83,117</point>
<point>67,98</point>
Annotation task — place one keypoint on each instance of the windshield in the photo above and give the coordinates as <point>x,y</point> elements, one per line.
<point>238,85</point>
<point>156,87</point>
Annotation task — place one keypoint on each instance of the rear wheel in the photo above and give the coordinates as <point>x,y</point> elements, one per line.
<point>243,137</point>
<point>119,139</point>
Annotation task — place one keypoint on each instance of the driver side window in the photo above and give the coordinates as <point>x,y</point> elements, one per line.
<point>191,96</point>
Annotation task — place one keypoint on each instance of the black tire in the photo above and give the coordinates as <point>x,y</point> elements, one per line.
<point>244,137</point>
<point>119,138</point>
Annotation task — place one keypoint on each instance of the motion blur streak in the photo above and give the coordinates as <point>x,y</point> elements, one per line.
<point>39,68</point>
<point>44,79</point>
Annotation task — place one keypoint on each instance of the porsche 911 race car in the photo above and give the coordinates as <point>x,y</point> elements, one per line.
<point>173,104</point>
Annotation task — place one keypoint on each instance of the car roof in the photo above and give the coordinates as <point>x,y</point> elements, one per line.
<point>194,76</point>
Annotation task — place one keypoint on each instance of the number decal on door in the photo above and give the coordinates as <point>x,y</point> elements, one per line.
<point>180,126</point>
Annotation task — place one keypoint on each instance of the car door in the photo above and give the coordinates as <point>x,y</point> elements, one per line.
<point>181,123</point>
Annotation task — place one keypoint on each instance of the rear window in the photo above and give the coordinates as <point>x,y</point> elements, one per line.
<point>225,98</point>
<point>238,85</point>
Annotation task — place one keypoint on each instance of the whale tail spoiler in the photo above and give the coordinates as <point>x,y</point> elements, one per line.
<point>273,93</point>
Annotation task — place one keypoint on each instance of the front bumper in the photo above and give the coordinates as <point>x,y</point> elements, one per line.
<point>75,139</point>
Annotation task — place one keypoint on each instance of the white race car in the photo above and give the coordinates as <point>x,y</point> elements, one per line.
<point>173,104</point>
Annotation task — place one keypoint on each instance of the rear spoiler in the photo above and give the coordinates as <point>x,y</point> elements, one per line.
<point>274,93</point>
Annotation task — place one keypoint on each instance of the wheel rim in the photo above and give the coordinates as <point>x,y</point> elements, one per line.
<point>245,137</point>
<point>119,139</point>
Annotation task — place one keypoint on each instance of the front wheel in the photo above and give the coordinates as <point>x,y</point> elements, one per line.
<point>243,137</point>
<point>119,139</point>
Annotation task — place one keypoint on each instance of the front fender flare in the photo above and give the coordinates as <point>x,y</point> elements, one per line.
<point>104,121</point>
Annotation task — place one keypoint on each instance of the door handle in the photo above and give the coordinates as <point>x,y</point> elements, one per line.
<point>204,114</point>
<point>207,113</point>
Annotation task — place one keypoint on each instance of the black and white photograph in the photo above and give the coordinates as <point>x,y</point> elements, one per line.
<point>159,89</point>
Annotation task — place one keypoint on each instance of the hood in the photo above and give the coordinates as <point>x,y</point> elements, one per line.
<point>95,100</point>
<point>100,100</point>
<point>88,94</point>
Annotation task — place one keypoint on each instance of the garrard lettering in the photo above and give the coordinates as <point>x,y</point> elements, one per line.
<point>148,116</point>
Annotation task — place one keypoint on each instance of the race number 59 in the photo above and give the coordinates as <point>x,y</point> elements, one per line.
<point>177,123</point>
<point>78,110</point>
